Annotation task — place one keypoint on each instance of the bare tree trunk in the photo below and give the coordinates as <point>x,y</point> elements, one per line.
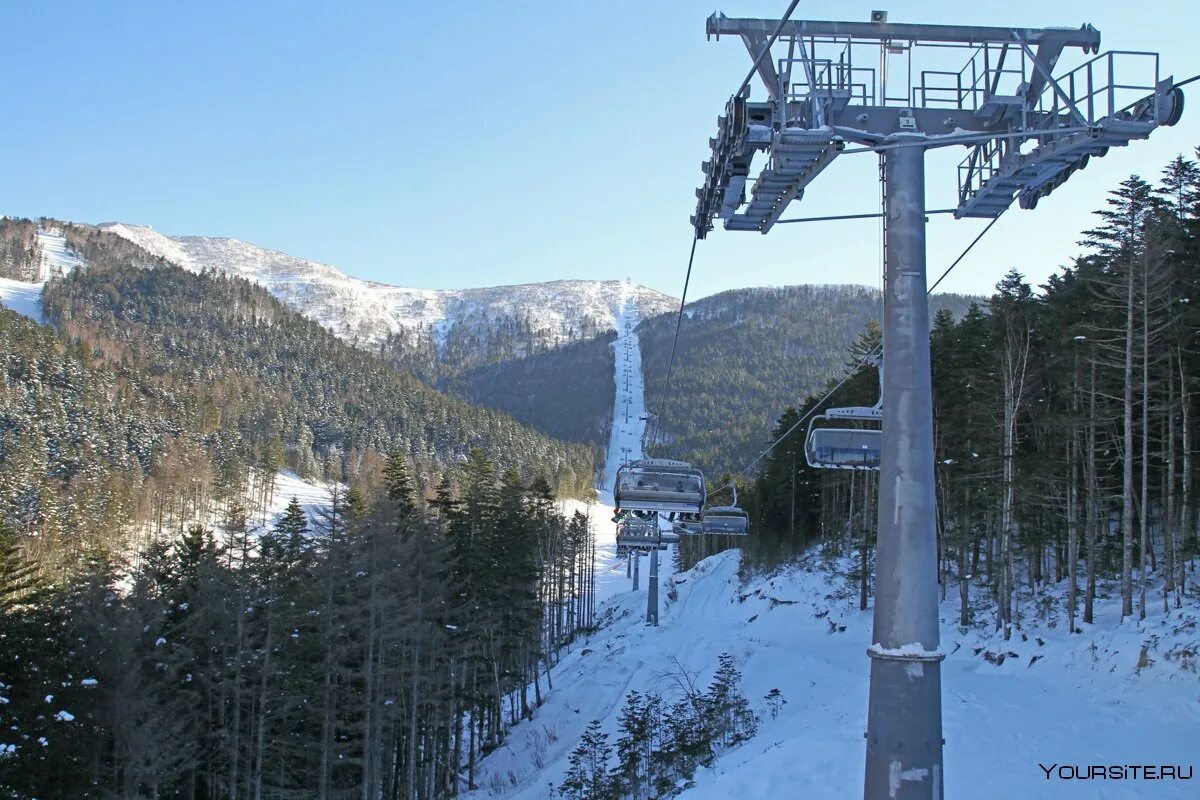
<point>1171,525</point>
<point>1072,533</point>
<point>1015,357</point>
<point>1185,512</point>
<point>1091,508</point>
<point>1127,488</point>
<point>261,732</point>
<point>1144,516</point>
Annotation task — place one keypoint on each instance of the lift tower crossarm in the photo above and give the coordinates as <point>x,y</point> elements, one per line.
<point>1086,36</point>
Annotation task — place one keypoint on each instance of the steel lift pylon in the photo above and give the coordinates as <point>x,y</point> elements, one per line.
<point>1028,121</point>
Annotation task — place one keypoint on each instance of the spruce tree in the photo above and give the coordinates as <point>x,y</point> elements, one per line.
<point>398,484</point>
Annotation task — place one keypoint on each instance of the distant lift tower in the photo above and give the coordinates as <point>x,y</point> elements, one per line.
<point>900,89</point>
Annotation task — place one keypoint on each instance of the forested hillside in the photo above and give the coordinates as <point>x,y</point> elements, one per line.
<point>281,382</point>
<point>155,642</point>
<point>433,332</point>
<point>566,392</point>
<point>743,357</point>
<point>18,249</point>
<point>1066,427</point>
<point>86,450</point>
<point>448,359</point>
<point>377,654</point>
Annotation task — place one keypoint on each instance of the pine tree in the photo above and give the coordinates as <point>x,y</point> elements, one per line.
<point>588,776</point>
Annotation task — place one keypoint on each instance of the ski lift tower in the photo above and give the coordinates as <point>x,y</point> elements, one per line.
<point>833,88</point>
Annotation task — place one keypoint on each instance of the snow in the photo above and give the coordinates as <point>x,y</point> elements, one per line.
<point>314,496</point>
<point>366,312</point>
<point>25,297</point>
<point>64,716</point>
<point>914,650</point>
<point>56,257</point>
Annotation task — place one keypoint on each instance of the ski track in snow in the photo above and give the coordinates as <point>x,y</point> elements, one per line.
<point>1053,700</point>
<point>25,297</point>
<point>625,441</point>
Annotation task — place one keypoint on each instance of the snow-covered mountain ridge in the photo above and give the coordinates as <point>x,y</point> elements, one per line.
<point>366,312</point>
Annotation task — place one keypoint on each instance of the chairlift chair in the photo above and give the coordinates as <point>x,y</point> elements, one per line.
<point>845,447</point>
<point>730,519</point>
<point>637,533</point>
<point>659,484</point>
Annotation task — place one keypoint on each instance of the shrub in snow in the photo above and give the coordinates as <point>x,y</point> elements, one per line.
<point>659,747</point>
<point>774,702</point>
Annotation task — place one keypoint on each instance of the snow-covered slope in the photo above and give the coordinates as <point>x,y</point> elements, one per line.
<point>1050,699</point>
<point>55,256</point>
<point>54,259</point>
<point>366,312</point>
<point>24,298</point>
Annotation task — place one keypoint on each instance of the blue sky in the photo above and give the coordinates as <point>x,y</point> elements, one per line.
<point>456,144</point>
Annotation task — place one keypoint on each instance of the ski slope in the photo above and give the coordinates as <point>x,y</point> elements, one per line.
<point>314,497</point>
<point>55,258</point>
<point>624,444</point>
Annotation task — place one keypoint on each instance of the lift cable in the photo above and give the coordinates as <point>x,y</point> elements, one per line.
<point>664,394</point>
<point>865,359</point>
<point>767,47</point>
<point>963,255</point>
